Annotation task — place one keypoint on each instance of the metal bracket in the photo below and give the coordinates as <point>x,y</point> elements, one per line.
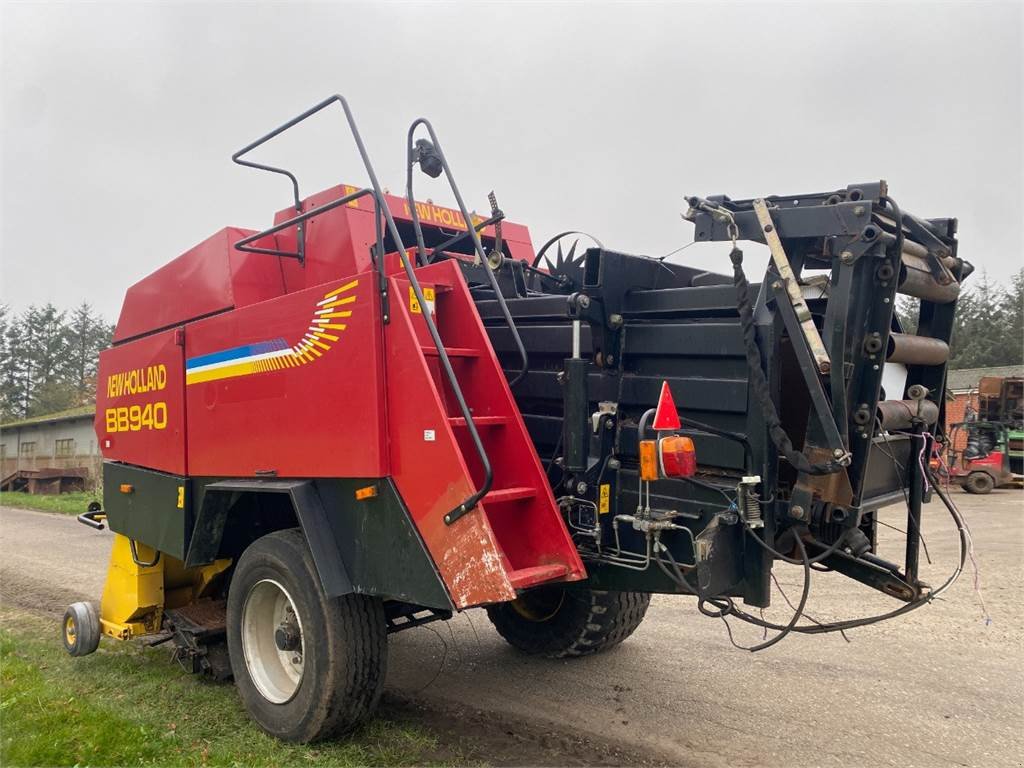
<point>814,388</point>
<point>796,297</point>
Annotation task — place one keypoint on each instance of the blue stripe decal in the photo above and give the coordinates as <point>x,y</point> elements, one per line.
<point>259,348</point>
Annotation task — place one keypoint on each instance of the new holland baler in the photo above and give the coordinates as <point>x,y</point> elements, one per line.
<point>378,412</point>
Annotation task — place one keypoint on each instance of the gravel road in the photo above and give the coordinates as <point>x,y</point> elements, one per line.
<point>941,686</point>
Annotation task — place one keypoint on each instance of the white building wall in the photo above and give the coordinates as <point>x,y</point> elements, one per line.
<point>45,450</point>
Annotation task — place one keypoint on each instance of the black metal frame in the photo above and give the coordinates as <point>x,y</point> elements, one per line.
<point>645,320</point>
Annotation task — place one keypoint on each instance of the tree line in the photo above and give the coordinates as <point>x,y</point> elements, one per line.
<point>48,358</point>
<point>48,355</point>
<point>989,326</point>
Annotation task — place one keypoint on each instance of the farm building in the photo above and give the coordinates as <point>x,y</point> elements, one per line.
<point>962,395</point>
<point>42,449</point>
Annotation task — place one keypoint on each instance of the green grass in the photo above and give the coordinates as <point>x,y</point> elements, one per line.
<point>64,503</point>
<point>127,705</point>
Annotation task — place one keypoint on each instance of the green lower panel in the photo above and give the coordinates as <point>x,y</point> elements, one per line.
<point>150,507</point>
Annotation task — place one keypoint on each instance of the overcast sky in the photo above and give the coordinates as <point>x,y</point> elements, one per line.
<point>119,120</point>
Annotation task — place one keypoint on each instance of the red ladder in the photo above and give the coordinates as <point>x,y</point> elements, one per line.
<point>515,537</point>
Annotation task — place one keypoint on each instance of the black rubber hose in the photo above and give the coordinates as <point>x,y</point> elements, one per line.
<point>838,626</point>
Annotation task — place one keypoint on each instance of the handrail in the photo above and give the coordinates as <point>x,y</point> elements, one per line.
<point>243,244</point>
<point>414,283</point>
<point>470,229</point>
<point>300,238</point>
<point>434,251</point>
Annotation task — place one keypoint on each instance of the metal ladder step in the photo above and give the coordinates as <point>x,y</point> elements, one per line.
<point>431,351</point>
<point>538,574</point>
<point>505,495</point>
<point>480,421</point>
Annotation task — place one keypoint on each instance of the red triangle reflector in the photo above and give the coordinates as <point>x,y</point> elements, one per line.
<point>666,417</point>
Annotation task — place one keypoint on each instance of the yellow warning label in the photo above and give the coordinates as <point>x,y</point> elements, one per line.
<point>347,190</point>
<point>181,497</point>
<point>428,296</point>
<point>604,501</point>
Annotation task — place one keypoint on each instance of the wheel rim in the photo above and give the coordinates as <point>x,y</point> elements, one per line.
<point>540,605</point>
<point>70,633</point>
<point>272,641</point>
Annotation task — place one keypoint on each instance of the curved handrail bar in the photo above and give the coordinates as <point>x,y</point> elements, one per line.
<point>243,244</point>
<point>471,230</point>
<point>414,283</point>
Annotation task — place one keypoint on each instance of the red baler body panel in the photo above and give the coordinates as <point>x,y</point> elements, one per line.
<point>140,402</point>
<point>264,366</point>
<point>209,278</point>
<point>266,394</point>
<point>338,243</point>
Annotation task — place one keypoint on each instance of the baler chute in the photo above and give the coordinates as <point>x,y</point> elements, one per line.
<point>315,435</point>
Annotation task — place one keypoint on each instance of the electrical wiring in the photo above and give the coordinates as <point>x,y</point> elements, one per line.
<point>710,487</point>
<point>838,626</point>
<point>798,612</point>
<point>903,487</point>
<point>789,602</point>
<point>725,605</point>
<point>829,551</point>
<point>722,607</point>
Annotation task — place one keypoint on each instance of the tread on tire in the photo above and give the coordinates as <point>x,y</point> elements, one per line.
<point>344,645</point>
<point>80,629</point>
<point>979,483</point>
<point>560,622</point>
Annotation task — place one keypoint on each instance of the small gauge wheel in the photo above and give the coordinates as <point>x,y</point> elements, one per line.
<point>80,630</point>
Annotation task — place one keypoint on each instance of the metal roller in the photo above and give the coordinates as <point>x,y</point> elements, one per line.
<point>916,250</point>
<point>916,280</point>
<point>901,414</point>
<point>916,350</point>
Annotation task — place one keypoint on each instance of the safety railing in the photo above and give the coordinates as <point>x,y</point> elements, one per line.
<point>431,158</point>
<point>376,192</point>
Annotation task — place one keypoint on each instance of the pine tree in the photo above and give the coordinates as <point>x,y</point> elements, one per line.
<point>908,309</point>
<point>8,374</point>
<point>88,333</point>
<point>16,375</point>
<point>1011,311</point>
<point>47,346</point>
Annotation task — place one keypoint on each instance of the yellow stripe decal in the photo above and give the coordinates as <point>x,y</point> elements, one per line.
<point>339,302</point>
<point>306,350</point>
<point>345,287</point>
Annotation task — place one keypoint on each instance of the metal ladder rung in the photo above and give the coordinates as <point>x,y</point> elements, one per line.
<point>452,352</point>
<point>504,495</point>
<point>527,577</point>
<point>480,421</point>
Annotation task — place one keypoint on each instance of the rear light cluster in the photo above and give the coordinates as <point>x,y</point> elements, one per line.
<point>671,456</point>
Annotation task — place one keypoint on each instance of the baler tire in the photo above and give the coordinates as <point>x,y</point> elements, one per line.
<point>343,644</point>
<point>575,622</point>
<point>80,629</point>
<point>979,483</point>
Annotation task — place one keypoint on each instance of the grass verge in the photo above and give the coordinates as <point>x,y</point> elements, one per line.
<point>64,503</point>
<point>128,705</point>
